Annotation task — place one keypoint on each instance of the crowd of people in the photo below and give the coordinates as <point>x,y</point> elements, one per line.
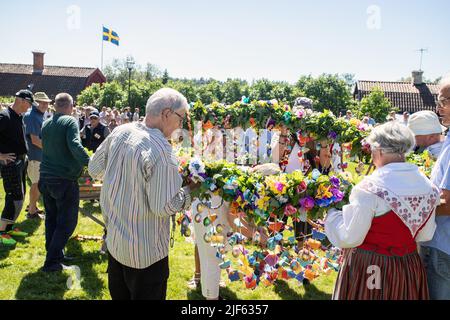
<point>391,213</point>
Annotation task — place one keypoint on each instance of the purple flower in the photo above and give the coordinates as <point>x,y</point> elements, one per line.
<point>239,194</point>
<point>338,195</point>
<point>332,135</point>
<point>270,123</point>
<point>335,182</point>
<point>307,203</point>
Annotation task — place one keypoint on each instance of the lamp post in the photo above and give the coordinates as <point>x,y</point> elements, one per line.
<point>130,65</point>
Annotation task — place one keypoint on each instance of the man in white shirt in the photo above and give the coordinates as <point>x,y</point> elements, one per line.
<point>428,131</point>
<point>103,114</point>
<point>405,118</point>
<point>142,190</point>
<point>136,115</point>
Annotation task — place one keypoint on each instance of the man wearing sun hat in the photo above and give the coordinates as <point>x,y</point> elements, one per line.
<point>428,131</point>
<point>33,120</point>
<point>13,164</point>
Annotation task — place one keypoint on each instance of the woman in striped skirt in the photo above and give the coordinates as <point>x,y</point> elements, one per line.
<point>389,212</point>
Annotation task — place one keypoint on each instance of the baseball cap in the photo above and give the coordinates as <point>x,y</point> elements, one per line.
<point>424,123</point>
<point>28,96</point>
<point>94,114</point>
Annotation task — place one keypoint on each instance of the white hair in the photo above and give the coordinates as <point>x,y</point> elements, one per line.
<point>163,99</point>
<point>445,82</point>
<point>392,137</point>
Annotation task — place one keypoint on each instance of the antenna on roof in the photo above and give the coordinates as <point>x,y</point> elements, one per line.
<point>421,50</point>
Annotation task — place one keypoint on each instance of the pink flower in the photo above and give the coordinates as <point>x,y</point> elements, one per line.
<point>301,187</point>
<point>300,114</point>
<point>289,210</point>
<point>279,186</point>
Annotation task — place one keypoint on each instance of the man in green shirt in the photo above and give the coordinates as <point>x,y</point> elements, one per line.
<point>63,159</point>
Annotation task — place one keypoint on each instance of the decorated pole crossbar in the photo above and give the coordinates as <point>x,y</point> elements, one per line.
<point>308,125</point>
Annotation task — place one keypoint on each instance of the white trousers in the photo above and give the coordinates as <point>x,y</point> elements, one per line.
<point>209,263</point>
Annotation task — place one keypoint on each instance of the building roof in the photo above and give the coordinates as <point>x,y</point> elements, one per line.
<point>78,72</point>
<point>403,95</point>
<point>53,80</point>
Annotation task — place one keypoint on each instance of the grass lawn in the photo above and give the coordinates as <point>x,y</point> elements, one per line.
<point>21,278</point>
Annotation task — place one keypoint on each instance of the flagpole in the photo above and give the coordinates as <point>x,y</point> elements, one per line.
<point>103,43</point>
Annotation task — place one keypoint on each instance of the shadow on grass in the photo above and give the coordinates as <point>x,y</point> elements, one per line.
<point>225,293</point>
<point>28,226</point>
<point>91,283</point>
<point>285,292</point>
<point>52,286</point>
<point>42,286</point>
<point>311,292</point>
<point>88,209</point>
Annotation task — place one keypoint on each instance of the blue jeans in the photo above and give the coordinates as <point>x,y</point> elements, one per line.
<point>61,202</point>
<point>437,265</point>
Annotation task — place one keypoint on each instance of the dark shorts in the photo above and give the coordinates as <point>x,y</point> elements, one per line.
<point>14,183</point>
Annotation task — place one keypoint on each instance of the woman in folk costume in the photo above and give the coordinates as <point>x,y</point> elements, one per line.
<point>389,212</point>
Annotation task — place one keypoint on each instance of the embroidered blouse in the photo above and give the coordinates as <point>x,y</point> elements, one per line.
<point>399,187</point>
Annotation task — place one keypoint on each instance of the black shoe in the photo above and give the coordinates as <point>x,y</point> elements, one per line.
<point>54,268</point>
<point>32,216</point>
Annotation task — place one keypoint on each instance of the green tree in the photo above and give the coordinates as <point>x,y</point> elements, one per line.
<point>186,88</point>
<point>327,91</point>
<point>262,90</point>
<point>165,77</point>
<point>285,92</point>
<point>118,71</point>
<point>234,89</point>
<point>112,95</point>
<point>376,104</point>
<point>152,72</point>
<point>91,95</point>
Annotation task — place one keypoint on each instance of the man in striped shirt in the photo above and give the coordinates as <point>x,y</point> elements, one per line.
<point>142,189</point>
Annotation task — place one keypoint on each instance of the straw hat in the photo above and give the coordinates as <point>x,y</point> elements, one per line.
<point>41,97</point>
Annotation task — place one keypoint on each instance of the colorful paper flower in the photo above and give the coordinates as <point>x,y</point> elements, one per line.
<point>323,192</point>
<point>307,203</point>
<point>289,210</point>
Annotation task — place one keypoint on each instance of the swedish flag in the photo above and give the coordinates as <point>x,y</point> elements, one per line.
<point>110,36</point>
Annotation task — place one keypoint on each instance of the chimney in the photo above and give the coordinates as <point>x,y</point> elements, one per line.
<point>417,78</point>
<point>38,62</point>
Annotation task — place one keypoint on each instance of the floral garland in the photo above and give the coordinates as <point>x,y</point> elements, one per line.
<point>259,197</point>
<point>424,161</point>
<point>307,124</point>
<point>265,201</point>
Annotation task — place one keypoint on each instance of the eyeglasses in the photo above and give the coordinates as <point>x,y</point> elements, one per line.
<point>179,116</point>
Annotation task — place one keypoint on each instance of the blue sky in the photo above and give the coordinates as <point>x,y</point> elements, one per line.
<point>249,39</point>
